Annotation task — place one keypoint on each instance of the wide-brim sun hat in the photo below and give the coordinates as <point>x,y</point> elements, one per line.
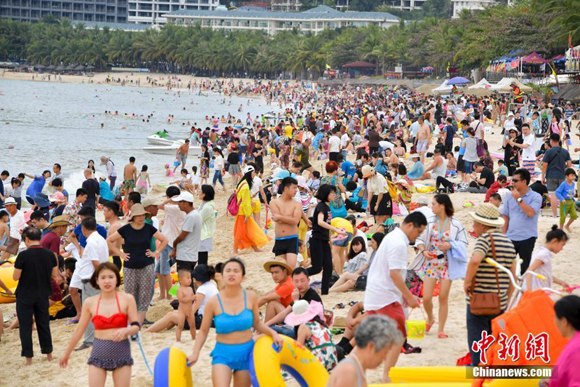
<point>152,201</point>
<point>303,312</point>
<point>57,197</point>
<point>59,221</point>
<point>488,215</point>
<point>414,155</point>
<point>278,262</point>
<point>137,210</point>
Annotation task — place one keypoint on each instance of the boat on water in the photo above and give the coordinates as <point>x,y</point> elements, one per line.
<point>156,139</point>
<point>194,151</point>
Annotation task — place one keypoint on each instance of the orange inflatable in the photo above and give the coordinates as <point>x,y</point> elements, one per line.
<point>532,320</point>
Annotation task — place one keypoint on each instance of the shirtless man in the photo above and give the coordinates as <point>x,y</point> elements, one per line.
<point>391,157</point>
<point>111,214</point>
<point>423,138</point>
<point>129,176</point>
<point>286,212</point>
<point>181,155</point>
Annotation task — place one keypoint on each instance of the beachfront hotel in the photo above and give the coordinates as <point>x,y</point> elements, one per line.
<point>107,11</point>
<point>153,11</point>
<point>313,20</point>
<point>470,5</point>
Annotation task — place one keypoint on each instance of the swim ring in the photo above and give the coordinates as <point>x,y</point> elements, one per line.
<point>171,369</point>
<point>267,361</point>
<point>6,271</point>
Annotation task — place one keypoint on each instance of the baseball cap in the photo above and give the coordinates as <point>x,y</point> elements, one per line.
<point>183,197</point>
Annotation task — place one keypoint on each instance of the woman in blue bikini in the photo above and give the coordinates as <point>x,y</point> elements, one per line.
<point>233,325</point>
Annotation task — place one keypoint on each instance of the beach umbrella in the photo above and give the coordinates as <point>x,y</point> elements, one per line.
<point>59,68</point>
<point>458,81</point>
<point>80,68</point>
<point>39,67</point>
<point>50,67</point>
<point>90,67</point>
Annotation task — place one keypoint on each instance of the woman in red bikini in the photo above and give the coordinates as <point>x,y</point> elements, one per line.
<point>110,313</point>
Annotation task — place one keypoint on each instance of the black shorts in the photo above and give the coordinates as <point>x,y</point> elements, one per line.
<point>460,163</point>
<point>185,265</point>
<point>286,245</point>
<point>385,206</point>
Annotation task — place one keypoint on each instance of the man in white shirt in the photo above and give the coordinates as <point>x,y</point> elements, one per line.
<point>344,141</point>
<point>171,227</point>
<point>17,222</point>
<point>384,293</point>
<point>334,146</point>
<point>186,245</point>
<point>95,252</point>
<point>528,148</point>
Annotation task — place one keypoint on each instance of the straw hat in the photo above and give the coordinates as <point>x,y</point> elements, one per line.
<point>59,221</point>
<point>137,210</point>
<point>414,155</point>
<point>278,262</point>
<point>367,170</point>
<point>488,215</point>
<point>303,311</point>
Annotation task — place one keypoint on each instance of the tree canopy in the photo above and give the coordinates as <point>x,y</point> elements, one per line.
<point>468,42</point>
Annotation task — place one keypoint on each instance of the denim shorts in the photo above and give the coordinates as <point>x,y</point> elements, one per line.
<point>164,263</point>
<point>343,242</point>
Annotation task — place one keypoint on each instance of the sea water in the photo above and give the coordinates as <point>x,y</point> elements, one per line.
<point>42,123</point>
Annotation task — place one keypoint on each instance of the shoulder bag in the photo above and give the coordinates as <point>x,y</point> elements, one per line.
<point>486,304</point>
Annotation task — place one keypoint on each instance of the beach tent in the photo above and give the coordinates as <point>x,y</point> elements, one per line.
<point>444,88</point>
<point>503,86</point>
<point>483,84</point>
<point>426,88</point>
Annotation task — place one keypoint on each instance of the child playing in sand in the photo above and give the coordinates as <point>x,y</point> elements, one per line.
<point>185,296</point>
<point>541,262</point>
<point>143,181</point>
<point>168,171</point>
<point>565,194</point>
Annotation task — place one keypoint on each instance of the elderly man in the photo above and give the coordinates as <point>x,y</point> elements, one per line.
<point>280,297</point>
<point>374,338</point>
<point>17,224</point>
<point>111,171</point>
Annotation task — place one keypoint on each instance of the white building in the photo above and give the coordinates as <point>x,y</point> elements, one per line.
<point>313,20</point>
<point>471,5</point>
<point>407,5</point>
<point>152,11</point>
<point>286,5</point>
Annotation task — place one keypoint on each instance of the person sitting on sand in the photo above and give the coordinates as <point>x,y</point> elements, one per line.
<point>280,297</point>
<point>357,262</point>
<point>206,288</point>
<point>302,291</point>
<point>114,315</point>
<point>417,169</point>
<point>185,296</point>
<point>438,166</point>
<point>308,320</point>
<point>374,339</point>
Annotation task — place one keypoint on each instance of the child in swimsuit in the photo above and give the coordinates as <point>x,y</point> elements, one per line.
<point>110,313</point>
<point>185,296</point>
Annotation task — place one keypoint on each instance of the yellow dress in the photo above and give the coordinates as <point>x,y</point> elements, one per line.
<point>247,233</point>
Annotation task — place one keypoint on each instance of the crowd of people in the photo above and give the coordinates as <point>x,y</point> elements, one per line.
<point>344,179</point>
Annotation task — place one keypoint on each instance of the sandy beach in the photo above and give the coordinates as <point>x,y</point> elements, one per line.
<point>435,351</point>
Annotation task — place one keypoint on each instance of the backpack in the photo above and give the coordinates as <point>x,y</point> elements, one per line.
<point>233,204</point>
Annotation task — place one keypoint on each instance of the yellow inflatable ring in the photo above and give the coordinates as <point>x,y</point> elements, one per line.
<point>171,369</point>
<point>6,271</point>
<point>267,361</point>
